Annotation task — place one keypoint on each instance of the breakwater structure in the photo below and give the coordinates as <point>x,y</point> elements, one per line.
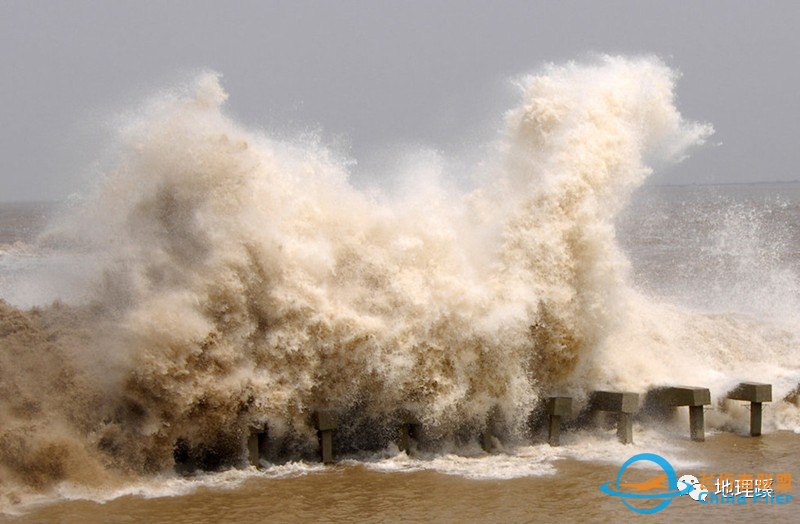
<point>658,403</point>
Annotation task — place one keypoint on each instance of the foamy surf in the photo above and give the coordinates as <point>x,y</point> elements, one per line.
<point>164,485</point>
<point>238,280</point>
<point>596,447</point>
<point>468,462</point>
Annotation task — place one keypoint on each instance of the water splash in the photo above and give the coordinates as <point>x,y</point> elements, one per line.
<point>239,280</point>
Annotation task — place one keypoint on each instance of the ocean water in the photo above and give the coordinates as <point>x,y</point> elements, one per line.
<point>217,279</point>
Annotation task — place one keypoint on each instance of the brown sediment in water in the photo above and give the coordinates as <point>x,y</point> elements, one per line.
<point>354,493</point>
<point>49,403</point>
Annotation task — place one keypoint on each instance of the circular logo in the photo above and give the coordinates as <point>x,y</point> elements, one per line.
<point>671,478</point>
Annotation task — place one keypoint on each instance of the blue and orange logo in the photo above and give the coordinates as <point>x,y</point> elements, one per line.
<point>676,488</point>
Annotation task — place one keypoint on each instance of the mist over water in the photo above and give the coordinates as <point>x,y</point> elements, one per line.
<point>728,248</point>
<point>228,279</point>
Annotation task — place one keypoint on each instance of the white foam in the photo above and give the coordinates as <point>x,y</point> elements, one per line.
<point>596,447</point>
<point>242,280</point>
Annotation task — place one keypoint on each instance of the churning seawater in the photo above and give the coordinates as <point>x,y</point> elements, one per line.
<point>218,279</point>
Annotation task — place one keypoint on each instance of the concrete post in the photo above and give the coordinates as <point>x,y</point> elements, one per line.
<point>486,441</point>
<point>494,427</point>
<point>755,419</point>
<point>756,393</point>
<point>557,407</point>
<point>252,449</point>
<point>326,424</point>
<point>625,428</point>
<point>257,445</point>
<point>326,445</point>
<point>554,432</point>
<point>697,428</point>
<point>403,438</point>
<point>409,430</point>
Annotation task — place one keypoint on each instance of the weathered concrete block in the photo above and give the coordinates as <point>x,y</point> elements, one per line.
<point>680,396</point>
<point>554,430</point>
<point>559,406</point>
<point>257,442</point>
<point>404,438</point>
<point>407,433</point>
<point>617,401</point>
<point>487,441</point>
<point>326,419</point>
<point>661,401</point>
<point>620,402</point>
<point>756,393</point>
<point>625,428</point>
<point>755,418</point>
<point>326,445</point>
<point>494,429</point>
<point>409,429</point>
<point>697,426</point>
<point>253,455</point>
<point>751,391</point>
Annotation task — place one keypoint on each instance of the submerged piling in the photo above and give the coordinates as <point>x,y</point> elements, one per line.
<point>756,393</point>
<point>252,449</point>
<point>557,407</point>
<point>327,422</point>
<point>494,423</point>
<point>409,430</point>
<point>257,445</point>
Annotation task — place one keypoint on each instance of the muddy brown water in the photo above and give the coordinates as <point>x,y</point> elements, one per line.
<point>354,493</point>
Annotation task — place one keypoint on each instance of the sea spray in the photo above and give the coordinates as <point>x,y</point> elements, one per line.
<point>241,280</point>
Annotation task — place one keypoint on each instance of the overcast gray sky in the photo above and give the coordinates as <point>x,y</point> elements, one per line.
<point>381,76</point>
